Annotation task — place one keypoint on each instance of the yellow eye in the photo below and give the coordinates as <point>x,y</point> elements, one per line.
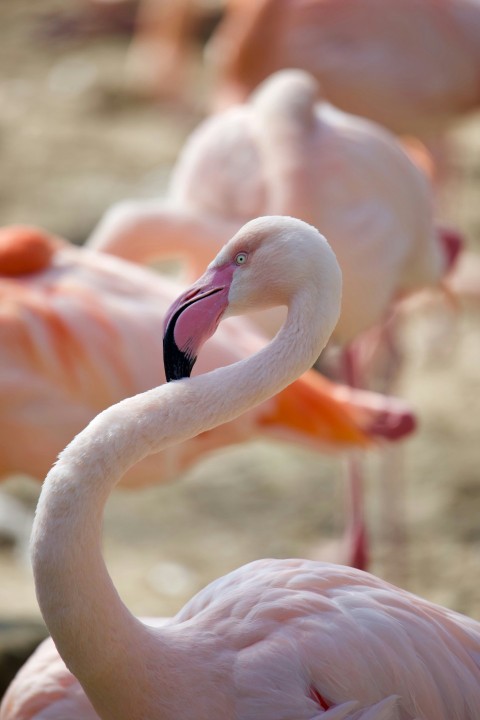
<point>241,258</point>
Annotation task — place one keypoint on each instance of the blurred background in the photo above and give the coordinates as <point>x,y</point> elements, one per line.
<point>74,138</point>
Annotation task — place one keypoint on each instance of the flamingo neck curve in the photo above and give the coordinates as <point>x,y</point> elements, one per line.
<point>101,642</point>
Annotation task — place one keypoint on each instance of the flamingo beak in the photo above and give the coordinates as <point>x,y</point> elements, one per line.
<point>192,319</point>
<point>452,244</point>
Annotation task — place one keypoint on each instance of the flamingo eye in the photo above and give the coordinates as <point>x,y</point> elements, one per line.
<point>241,258</point>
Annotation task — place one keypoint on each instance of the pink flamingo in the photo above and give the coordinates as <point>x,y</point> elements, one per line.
<point>410,65</point>
<point>275,638</point>
<point>286,151</point>
<point>80,330</point>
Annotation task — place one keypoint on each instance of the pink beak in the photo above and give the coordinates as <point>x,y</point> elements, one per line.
<point>452,244</point>
<point>192,319</point>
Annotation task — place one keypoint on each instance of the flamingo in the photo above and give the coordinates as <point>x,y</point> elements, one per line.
<point>288,151</point>
<point>410,65</point>
<point>79,331</point>
<point>274,638</point>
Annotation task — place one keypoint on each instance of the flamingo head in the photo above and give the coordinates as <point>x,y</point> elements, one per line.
<point>25,250</point>
<point>262,266</point>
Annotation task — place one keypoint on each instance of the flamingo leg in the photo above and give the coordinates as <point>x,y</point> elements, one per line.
<point>356,546</point>
<point>392,499</point>
<point>378,355</point>
<point>356,535</point>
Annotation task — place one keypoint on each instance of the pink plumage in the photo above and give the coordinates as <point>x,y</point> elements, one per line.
<point>275,639</point>
<point>85,331</point>
<point>288,151</point>
<point>410,65</point>
<point>313,631</point>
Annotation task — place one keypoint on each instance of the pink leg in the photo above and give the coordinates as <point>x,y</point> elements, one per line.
<point>356,536</point>
<point>377,355</point>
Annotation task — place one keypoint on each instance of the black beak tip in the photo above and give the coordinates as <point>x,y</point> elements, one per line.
<point>177,364</point>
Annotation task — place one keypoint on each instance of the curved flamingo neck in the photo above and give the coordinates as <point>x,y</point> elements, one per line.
<point>150,231</point>
<point>102,643</point>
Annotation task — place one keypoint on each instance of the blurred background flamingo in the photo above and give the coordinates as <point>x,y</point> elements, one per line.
<point>80,330</point>
<point>411,65</point>
<point>287,151</point>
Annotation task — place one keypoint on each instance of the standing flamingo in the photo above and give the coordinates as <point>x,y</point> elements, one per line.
<point>275,639</point>
<point>80,330</point>
<point>410,65</point>
<point>287,151</point>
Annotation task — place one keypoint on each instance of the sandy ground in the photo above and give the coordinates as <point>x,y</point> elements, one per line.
<point>72,141</point>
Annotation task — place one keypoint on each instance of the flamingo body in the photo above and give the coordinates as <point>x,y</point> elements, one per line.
<point>44,688</point>
<point>331,639</point>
